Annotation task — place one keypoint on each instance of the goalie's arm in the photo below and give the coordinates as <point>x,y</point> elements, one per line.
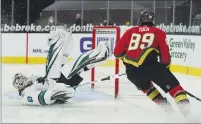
<point>46,97</point>
<point>32,97</point>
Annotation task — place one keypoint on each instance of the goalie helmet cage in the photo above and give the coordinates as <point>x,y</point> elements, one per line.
<point>106,30</point>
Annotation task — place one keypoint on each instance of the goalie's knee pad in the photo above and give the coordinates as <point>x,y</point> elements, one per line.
<point>60,47</point>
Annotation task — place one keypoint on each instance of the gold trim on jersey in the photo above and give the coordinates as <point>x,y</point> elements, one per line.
<point>122,57</point>
<point>137,63</point>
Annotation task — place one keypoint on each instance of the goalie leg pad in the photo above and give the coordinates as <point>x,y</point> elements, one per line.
<point>85,61</point>
<point>76,65</point>
<point>60,46</point>
<point>54,58</point>
<point>103,52</point>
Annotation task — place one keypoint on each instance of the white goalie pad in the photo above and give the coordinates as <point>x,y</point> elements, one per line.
<point>88,59</point>
<point>61,45</point>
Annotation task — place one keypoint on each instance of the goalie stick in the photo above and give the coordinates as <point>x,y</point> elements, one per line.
<point>102,79</point>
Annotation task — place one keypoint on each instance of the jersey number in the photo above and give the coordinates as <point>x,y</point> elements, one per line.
<point>147,40</point>
<point>29,99</point>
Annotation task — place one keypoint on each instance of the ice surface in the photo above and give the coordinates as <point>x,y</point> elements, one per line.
<point>93,105</point>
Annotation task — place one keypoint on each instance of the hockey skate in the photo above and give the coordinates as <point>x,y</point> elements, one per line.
<point>184,107</point>
<point>166,106</point>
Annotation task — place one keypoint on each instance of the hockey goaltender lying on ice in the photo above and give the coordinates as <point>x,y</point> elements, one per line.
<point>62,76</point>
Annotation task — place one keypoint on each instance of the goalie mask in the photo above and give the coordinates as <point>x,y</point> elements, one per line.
<point>20,81</point>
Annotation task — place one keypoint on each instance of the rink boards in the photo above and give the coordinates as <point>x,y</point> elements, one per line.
<point>32,48</point>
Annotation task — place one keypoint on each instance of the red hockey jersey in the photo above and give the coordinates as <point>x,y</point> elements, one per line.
<point>138,42</point>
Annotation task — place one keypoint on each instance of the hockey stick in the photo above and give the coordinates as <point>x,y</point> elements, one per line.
<point>122,74</point>
<point>102,79</point>
<point>15,96</point>
<point>198,99</point>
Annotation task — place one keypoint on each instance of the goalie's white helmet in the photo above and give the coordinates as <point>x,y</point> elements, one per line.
<point>20,81</point>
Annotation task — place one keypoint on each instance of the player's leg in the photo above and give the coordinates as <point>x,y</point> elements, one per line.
<point>141,79</point>
<point>153,94</point>
<point>74,81</point>
<point>168,82</point>
<point>85,61</point>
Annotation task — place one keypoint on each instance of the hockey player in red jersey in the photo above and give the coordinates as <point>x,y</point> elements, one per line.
<point>139,49</point>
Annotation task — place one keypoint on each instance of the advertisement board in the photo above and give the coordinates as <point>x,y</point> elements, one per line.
<point>14,48</point>
<point>184,49</point>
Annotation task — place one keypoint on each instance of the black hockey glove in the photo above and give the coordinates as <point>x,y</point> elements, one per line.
<point>41,80</point>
